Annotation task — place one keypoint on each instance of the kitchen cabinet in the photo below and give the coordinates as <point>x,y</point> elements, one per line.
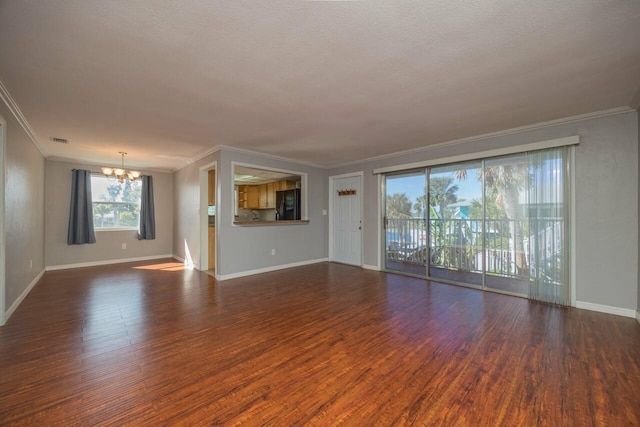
<point>253,197</point>
<point>249,197</point>
<point>285,185</point>
<point>212,248</point>
<point>212,188</point>
<point>267,196</point>
<point>271,195</point>
<point>261,196</point>
<point>242,196</point>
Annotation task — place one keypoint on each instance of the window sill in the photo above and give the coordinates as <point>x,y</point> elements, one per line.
<point>115,229</point>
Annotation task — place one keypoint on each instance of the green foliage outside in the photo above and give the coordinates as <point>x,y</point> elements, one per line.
<point>120,207</point>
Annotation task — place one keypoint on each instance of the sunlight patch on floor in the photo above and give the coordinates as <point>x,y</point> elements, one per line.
<point>167,266</point>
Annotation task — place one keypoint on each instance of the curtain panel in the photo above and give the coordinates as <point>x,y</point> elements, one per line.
<point>147,227</point>
<point>80,229</point>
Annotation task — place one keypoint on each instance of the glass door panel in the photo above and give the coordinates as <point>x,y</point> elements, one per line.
<point>506,221</point>
<point>404,223</point>
<point>456,223</point>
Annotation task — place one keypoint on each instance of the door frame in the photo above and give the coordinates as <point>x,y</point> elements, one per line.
<point>332,179</point>
<point>382,209</point>
<point>3,127</point>
<point>204,214</point>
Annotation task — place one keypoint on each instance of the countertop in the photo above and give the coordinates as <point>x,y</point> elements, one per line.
<point>263,223</point>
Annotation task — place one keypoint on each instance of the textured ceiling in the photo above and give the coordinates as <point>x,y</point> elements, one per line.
<point>320,82</point>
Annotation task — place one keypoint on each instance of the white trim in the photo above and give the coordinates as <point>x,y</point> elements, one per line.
<point>105,230</point>
<point>268,269</point>
<point>84,163</point>
<point>609,309</point>
<point>573,246</point>
<point>22,120</point>
<point>201,156</point>
<point>358,174</point>
<point>380,244</point>
<point>371,267</point>
<point>203,209</point>
<point>106,262</point>
<point>553,143</point>
<point>273,157</point>
<point>22,296</point>
<point>178,258</point>
<point>3,128</point>
<point>506,132</point>
<point>638,316</point>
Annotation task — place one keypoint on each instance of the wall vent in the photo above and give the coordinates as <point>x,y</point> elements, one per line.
<point>59,140</point>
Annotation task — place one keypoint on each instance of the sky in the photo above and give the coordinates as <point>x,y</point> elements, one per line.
<point>414,186</point>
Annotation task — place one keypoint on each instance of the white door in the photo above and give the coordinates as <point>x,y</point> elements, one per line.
<point>346,220</point>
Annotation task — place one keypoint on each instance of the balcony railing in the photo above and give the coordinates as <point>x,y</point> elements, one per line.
<point>458,243</point>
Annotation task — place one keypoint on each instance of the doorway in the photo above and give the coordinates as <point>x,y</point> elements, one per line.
<point>209,209</point>
<point>405,226</point>
<point>500,224</point>
<point>2,253</point>
<point>345,221</point>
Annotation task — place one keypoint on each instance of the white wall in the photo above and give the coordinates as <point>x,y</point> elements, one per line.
<point>243,249</point>
<point>108,246</point>
<point>606,201</point>
<point>24,211</point>
<point>187,209</point>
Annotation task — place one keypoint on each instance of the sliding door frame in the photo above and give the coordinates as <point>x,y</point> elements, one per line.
<point>570,142</point>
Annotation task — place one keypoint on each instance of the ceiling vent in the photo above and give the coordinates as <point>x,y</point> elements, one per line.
<point>59,140</point>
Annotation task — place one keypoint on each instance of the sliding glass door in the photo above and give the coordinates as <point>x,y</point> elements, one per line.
<point>404,223</point>
<point>455,223</point>
<point>506,181</point>
<point>499,224</point>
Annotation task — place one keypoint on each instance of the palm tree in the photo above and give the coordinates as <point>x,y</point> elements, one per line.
<point>504,183</point>
<point>398,206</point>
<point>443,192</point>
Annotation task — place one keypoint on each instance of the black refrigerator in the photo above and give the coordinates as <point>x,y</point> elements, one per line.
<point>288,204</point>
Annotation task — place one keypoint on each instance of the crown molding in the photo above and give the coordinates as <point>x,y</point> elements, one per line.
<point>506,132</point>
<point>11,104</point>
<point>90,163</point>
<point>274,157</point>
<point>200,156</point>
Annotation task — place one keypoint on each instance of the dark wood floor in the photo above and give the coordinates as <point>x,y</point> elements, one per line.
<point>320,345</point>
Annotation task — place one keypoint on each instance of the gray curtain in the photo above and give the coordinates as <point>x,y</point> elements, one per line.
<point>81,212</point>
<point>147,229</point>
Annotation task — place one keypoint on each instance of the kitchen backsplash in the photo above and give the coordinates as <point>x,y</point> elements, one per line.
<point>261,214</point>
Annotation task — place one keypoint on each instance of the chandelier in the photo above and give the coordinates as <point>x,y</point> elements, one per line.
<point>120,173</point>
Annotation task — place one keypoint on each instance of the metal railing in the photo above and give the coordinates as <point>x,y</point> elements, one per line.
<point>458,243</point>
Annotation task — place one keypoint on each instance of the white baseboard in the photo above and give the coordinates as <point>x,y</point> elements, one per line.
<point>268,269</point>
<point>22,296</point>
<point>371,267</point>
<point>177,258</point>
<point>106,262</point>
<point>626,312</point>
<point>638,316</point>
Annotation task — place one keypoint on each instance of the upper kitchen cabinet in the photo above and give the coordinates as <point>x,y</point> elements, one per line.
<point>285,185</point>
<point>267,196</point>
<point>212,188</point>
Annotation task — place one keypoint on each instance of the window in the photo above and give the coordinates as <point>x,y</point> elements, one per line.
<point>115,205</point>
<point>268,195</point>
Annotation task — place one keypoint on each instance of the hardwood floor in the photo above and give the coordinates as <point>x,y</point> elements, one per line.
<point>323,344</point>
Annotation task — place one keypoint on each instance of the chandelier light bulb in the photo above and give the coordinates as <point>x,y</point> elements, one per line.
<point>120,174</point>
